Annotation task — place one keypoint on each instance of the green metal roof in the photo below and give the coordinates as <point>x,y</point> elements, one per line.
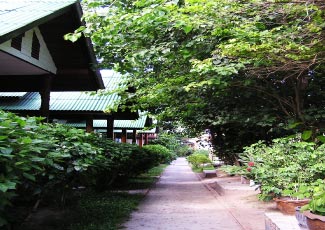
<point>66,101</point>
<point>21,15</point>
<point>149,131</point>
<point>118,124</point>
<point>12,94</point>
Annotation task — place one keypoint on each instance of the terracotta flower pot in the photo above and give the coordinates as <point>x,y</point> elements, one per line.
<point>288,206</point>
<point>314,221</point>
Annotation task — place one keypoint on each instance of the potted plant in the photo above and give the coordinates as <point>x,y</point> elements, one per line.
<point>295,196</point>
<point>315,209</point>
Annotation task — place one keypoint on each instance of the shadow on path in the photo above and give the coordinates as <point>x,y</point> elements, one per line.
<point>180,201</point>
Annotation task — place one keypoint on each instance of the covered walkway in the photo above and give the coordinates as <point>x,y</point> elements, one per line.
<point>181,201</point>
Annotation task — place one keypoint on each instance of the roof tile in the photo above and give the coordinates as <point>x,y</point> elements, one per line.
<point>15,14</point>
<point>67,101</point>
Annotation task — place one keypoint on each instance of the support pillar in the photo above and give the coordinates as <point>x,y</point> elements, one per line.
<point>45,97</point>
<point>110,127</point>
<point>146,139</point>
<point>124,136</point>
<point>89,124</point>
<point>134,136</point>
<point>140,140</point>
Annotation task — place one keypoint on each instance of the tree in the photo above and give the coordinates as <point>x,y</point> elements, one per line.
<point>238,67</point>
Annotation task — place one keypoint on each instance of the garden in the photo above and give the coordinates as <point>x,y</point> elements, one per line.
<point>290,171</point>
<point>50,165</point>
<point>252,73</point>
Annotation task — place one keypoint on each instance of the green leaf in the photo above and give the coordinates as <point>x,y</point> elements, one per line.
<point>3,138</point>
<point>37,159</point>
<point>77,168</point>
<point>73,37</point>
<point>6,151</point>
<point>29,176</point>
<point>7,185</point>
<point>306,134</point>
<point>294,125</point>
<point>321,138</point>
<point>187,28</point>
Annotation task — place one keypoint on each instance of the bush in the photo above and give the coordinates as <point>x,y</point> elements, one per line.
<point>161,153</point>
<point>184,151</point>
<point>198,160</point>
<point>286,164</point>
<point>37,159</point>
<point>173,142</point>
<point>50,160</point>
<point>202,151</point>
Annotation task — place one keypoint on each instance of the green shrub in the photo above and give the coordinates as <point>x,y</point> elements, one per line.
<point>173,142</point>
<point>37,159</point>
<point>184,151</point>
<point>285,164</point>
<point>197,160</point>
<point>49,160</point>
<point>202,151</point>
<point>162,154</point>
<point>233,169</point>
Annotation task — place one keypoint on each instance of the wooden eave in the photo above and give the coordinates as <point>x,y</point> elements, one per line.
<point>75,62</point>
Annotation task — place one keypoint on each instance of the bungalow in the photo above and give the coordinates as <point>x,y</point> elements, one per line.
<point>72,105</point>
<point>34,57</point>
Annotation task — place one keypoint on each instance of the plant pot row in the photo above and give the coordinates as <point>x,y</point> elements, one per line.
<point>305,219</point>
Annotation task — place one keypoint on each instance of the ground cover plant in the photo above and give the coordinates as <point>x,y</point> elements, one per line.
<point>41,163</point>
<point>107,210</point>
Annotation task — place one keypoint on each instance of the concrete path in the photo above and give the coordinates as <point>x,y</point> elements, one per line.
<point>180,201</point>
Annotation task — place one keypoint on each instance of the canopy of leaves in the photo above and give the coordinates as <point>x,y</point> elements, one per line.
<point>237,66</point>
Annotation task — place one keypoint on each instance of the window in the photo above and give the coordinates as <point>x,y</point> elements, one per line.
<point>17,41</point>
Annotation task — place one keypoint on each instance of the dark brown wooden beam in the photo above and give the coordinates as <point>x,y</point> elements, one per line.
<point>110,127</point>
<point>134,136</point>
<point>14,83</point>
<point>45,96</point>
<point>89,124</point>
<point>146,139</point>
<point>124,136</point>
<point>140,140</point>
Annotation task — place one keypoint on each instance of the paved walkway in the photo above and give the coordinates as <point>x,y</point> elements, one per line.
<point>181,201</point>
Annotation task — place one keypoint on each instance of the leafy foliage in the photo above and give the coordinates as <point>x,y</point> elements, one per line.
<point>244,72</point>
<point>173,142</point>
<point>197,160</point>
<point>285,167</point>
<point>107,210</point>
<point>317,203</point>
<point>48,161</point>
<point>161,153</point>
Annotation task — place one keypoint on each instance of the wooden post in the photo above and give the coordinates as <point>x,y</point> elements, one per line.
<point>45,97</point>
<point>110,127</point>
<point>89,124</point>
<point>124,136</point>
<point>134,136</point>
<point>146,139</point>
<point>140,140</point>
